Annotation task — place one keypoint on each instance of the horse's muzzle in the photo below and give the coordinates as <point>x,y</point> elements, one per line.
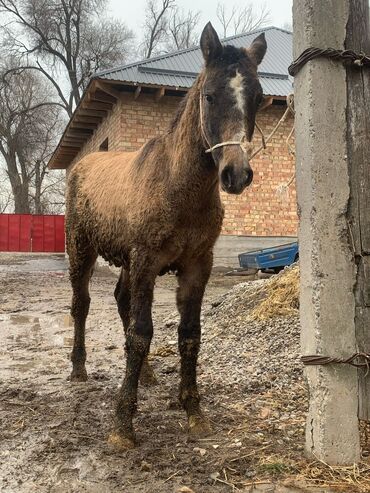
<point>235,182</point>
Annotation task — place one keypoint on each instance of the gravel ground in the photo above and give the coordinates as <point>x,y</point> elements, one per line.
<point>53,433</point>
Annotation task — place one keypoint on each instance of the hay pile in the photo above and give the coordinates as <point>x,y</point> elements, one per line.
<point>251,346</point>
<point>282,296</point>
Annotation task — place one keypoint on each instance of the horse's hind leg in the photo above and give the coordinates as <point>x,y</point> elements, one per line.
<point>192,282</point>
<point>122,295</point>
<point>80,269</point>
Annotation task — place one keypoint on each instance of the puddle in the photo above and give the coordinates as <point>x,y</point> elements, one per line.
<point>24,340</point>
<point>29,330</point>
<point>25,367</point>
<point>19,319</point>
<point>68,341</point>
<point>28,263</point>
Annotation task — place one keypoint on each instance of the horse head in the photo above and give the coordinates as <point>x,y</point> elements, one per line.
<point>230,96</point>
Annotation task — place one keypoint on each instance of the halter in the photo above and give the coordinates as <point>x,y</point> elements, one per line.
<point>246,147</point>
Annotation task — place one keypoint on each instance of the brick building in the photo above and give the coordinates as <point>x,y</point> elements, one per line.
<point>122,108</point>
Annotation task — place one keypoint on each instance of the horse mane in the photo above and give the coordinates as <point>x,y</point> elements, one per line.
<point>230,56</point>
<point>180,111</point>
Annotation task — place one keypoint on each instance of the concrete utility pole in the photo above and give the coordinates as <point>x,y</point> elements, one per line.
<point>333,187</point>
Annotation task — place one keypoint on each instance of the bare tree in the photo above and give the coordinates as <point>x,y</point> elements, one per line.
<point>241,20</point>
<point>168,28</point>
<point>156,25</point>
<point>29,126</point>
<point>64,40</point>
<point>53,193</point>
<point>45,186</point>
<point>6,197</point>
<point>182,30</point>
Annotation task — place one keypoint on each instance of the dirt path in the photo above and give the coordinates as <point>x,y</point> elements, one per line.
<point>53,432</point>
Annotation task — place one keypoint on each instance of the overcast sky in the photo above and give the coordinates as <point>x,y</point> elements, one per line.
<point>132,11</point>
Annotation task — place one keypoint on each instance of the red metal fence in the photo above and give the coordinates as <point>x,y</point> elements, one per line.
<point>31,233</point>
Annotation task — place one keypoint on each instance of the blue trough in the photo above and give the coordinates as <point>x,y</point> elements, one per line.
<point>275,258</point>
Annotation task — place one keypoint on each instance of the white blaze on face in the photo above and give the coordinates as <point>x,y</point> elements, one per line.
<point>236,84</point>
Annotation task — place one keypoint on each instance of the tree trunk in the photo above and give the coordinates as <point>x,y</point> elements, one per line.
<point>38,183</point>
<point>21,199</point>
<point>20,187</point>
<point>75,88</point>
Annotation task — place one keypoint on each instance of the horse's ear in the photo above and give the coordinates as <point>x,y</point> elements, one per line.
<point>210,43</point>
<point>258,48</point>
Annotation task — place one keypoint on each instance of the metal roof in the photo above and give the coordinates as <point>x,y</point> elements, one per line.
<point>176,70</point>
<point>179,69</point>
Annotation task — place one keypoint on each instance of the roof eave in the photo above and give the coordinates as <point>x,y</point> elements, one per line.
<point>92,86</point>
<point>62,160</point>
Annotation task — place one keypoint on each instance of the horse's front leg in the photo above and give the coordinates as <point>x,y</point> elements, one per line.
<point>138,337</point>
<point>192,282</point>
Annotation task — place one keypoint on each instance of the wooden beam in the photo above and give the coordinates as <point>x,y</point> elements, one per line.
<point>74,140</point>
<point>80,131</point>
<point>137,92</point>
<point>83,125</point>
<point>107,89</point>
<point>69,148</point>
<point>101,96</point>
<point>77,135</point>
<point>87,119</point>
<point>68,151</point>
<point>159,94</point>
<point>96,113</point>
<point>96,105</point>
<point>65,157</point>
<point>74,144</point>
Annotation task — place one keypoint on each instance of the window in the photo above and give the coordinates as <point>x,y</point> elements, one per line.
<point>104,145</point>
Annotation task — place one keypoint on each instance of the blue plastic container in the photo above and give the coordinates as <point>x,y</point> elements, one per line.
<point>275,258</point>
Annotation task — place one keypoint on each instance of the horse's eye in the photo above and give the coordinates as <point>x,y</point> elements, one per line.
<point>209,98</point>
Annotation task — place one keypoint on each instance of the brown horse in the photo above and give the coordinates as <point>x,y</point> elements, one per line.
<point>159,209</point>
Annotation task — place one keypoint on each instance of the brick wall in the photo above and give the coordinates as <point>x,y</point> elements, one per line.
<point>111,128</point>
<point>261,210</point>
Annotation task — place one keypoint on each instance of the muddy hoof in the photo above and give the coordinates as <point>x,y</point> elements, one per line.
<point>147,377</point>
<point>199,426</point>
<point>78,376</point>
<point>121,442</point>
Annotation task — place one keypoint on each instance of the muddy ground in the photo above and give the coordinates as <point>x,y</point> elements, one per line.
<point>53,435</point>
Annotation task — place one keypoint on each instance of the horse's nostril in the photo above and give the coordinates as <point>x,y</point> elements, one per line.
<point>235,182</point>
<point>248,177</point>
<point>226,177</point>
